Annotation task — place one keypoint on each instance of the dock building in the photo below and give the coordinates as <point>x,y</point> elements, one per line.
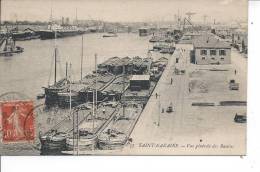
<point>211,50</point>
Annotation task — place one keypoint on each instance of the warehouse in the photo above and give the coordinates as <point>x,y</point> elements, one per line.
<point>211,50</point>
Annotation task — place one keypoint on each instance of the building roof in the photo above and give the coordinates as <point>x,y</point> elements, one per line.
<point>185,41</point>
<point>111,60</point>
<point>116,61</point>
<point>140,78</point>
<point>209,41</point>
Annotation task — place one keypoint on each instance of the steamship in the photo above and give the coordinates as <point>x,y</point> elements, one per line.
<point>60,31</point>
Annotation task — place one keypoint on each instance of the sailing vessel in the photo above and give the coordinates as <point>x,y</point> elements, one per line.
<point>52,91</point>
<point>54,140</point>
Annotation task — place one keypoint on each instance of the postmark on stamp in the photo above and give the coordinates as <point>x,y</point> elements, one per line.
<point>17,121</point>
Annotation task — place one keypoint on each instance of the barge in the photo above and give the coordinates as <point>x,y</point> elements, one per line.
<point>105,123</point>
<point>68,134</point>
<point>116,134</point>
<point>133,101</point>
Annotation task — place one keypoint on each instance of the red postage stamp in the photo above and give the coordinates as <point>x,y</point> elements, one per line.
<point>17,121</point>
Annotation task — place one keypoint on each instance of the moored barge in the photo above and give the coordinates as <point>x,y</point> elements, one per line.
<point>106,123</point>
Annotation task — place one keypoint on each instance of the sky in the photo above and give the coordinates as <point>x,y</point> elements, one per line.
<point>124,10</point>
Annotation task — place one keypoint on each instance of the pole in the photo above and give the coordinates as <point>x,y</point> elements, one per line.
<point>123,89</point>
<point>55,65</point>
<point>81,58</point>
<point>51,16</point>
<point>66,70</point>
<point>94,94</point>
<point>73,118</point>
<point>77,17</point>
<point>77,133</point>
<point>96,82</point>
<point>93,112</point>
<point>55,54</point>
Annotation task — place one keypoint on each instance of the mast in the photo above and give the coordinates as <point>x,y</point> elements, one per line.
<point>123,89</point>
<point>77,122</point>
<point>96,81</point>
<point>76,16</point>
<point>51,19</point>
<point>94,95</point>
<point>16,23</point>
<point>66,70</point>
<point>93,112</point>
<point>73,115</point>
<point>55,65</point>
<point>81,63</point>
<point>55,54</point>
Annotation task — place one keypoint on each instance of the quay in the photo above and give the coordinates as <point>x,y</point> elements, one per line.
<point>190,124</point>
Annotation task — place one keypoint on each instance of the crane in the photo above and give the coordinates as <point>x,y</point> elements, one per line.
<point>189,15</point>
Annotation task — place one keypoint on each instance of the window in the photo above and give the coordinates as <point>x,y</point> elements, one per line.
<point>212,58</point>
<point>222,52</point>
<point>203,58</point>
<point>213,52</point>
<point>203,52</point>
<point>222,58</point>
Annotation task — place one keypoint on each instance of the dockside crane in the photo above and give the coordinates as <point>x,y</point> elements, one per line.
<point>189,15</point>
<point>187,21</point>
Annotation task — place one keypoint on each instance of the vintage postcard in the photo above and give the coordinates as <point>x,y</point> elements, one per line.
<point>123,77</point>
